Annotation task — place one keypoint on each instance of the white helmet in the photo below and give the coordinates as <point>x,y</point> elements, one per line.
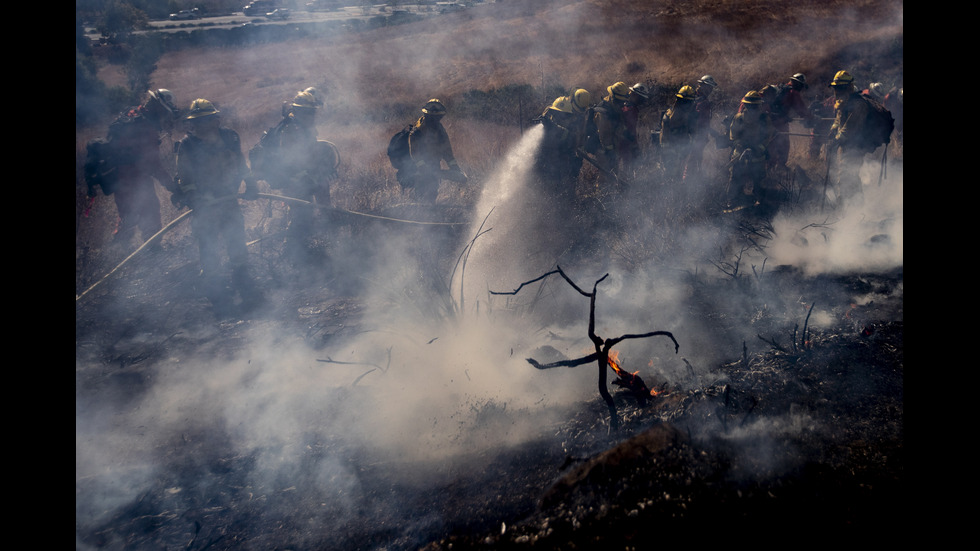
<point>709,80</point>
<point>877,90</point>
<point>165,99</point>
<point>641,90</point>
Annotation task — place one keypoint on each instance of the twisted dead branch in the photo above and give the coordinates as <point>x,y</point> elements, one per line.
<point>602,346</point>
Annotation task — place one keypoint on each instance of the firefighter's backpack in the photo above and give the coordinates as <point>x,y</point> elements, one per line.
<point>100,170</point>
<point>398,150</point>
<point>879,125</point>
<point>103,156</point>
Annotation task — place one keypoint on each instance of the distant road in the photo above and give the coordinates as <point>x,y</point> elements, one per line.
<point>295,16</point>
<point>238,19</point>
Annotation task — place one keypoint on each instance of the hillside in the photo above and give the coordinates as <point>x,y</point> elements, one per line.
<point>395,394</point>
<point>370,76</point>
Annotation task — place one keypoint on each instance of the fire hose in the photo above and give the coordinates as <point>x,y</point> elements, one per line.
<point>176,221</point>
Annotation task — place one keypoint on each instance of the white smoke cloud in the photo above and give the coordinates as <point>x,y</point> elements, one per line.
<point>861,236</point>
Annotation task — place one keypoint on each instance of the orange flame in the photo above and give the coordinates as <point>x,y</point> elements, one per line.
<point>630,379</point>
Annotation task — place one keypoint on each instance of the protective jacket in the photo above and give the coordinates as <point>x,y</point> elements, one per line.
<point>564,134</point>
<point>134,151</point>
<point>788,102</point>
<point>849,122</point>
<point>135,140</point>
<point>679,124</point>
<point>210,169</point>
<point>750,132</point>
<point>428,147</point>
<point>610,126</point>
<point>306,166</point>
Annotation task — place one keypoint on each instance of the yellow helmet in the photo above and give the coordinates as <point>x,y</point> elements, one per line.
<point>619,91</point>
<point>201,108</point>
<point>581,98</point>
<point>305,100</point>
<point>563,104</point>
<point>685,93</point>
<point>434,107</point>
<point>752,98</point>
<point>842,78</point>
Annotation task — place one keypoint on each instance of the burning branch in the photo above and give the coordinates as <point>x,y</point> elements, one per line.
<point>603,349</point>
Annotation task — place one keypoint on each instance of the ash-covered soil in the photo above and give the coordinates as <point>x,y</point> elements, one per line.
<point>801,437</point>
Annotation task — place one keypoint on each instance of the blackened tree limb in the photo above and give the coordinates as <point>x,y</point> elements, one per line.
<point>613,342</point>
<point>602,347</point>
<point>564,363</point>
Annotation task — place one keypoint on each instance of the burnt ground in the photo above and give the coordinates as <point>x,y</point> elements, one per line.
<point>803,437</point>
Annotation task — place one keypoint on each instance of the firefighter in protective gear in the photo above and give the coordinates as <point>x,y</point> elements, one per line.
<point>894,103</point>
<point>750,132</point>
<point>558,163</point>
<point>704,107</point>
<point>210,168</point>
<point>677,132</point>
<point>429,147</point>
<point>847,135</point>
<point>786,102</point>
<point>611,140</point>
<point>295,160</point>
<point>638,97</point>
<point>133,149</point>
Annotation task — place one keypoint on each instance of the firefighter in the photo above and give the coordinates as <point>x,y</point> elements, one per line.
<point>610,137</point>
<point>751,130</point>
<point>678,128</point>
<point>559,162</point>
<point>823,116</point>
<point>638,97</point>
<point>133,152</point>
<point>787,101</point>
<point>893,102</point>
<point>429,147</point>
<point>293,159</point>
<point>210,170</point>
<point>848,136</point>
<point>704,107</point>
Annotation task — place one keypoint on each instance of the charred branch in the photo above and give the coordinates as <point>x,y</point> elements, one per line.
<point>631,382</point>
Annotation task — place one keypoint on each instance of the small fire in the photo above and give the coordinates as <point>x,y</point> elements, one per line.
<point>628,380</point>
